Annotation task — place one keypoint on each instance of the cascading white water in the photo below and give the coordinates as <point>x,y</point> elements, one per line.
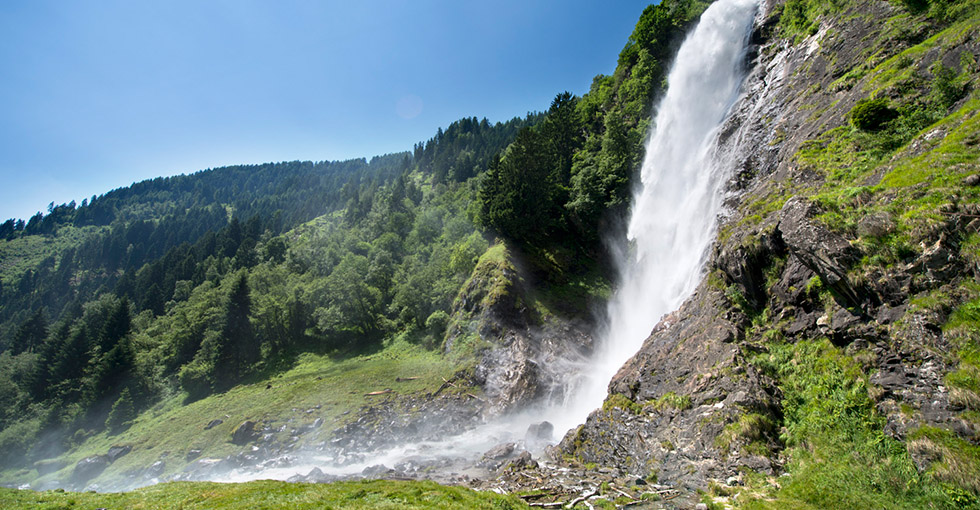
<point>675,209</point>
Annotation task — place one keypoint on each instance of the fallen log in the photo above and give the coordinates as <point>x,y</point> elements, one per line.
<point>582,498</point>
<point>617,489</point>
<point>554,504</point>
<point>382,392</point>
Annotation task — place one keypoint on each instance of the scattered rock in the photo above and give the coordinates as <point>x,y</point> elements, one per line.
<point>116,452</point>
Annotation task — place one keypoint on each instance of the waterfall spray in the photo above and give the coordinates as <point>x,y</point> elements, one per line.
<point>675,209</point>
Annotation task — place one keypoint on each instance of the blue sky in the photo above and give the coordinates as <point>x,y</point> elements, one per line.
<point>96,95</point>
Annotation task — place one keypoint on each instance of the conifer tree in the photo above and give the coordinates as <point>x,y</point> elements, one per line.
<point>30,334</point>
<point>237,347</point>
<point>123,411</point>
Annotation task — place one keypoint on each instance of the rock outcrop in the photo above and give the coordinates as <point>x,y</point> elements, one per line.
<point>494,316</point>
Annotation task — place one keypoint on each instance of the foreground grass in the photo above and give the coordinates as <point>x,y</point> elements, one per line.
<point>839,455</point>
<point>376,494</point>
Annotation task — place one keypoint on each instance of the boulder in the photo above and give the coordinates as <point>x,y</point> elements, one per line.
<point>500,451</point>
<point>537,432</point>
<point>317,476</point>
<point>212,424</point>
<point>375,471</point>
<point>875,225</point>
<point>88,468</point>
<point>244,433</point>
<point>116,452</point>
<point>522,461</point>
<point>498,455</point>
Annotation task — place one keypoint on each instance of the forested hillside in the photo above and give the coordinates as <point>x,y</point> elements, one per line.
<point>86,289</point>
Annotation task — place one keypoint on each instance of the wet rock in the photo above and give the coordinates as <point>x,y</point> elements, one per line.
<point>498,455</point>
<point>244,433</point>
<point>88,468</point>
<point>538,433</point>
<point>513,370</point>
<point>375,470</point>
<point>701,380</point>
<point>116,452</point>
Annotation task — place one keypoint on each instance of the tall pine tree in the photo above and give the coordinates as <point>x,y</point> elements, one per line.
<point>237,348</point>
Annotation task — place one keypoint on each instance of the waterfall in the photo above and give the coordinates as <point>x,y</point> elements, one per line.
<point>676,206</point>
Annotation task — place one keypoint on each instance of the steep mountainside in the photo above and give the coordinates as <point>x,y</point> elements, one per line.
<point>834,337</point>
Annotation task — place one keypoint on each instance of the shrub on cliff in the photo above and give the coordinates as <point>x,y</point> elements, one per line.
<point>872,114</point>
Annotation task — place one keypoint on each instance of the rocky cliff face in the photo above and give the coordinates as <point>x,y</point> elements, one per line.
<point>826,241</point>
<point>495,321</point>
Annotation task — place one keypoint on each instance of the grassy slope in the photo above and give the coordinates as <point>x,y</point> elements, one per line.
<point>270,494</point>
<point>171,429</point>
<point>19,255</point>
